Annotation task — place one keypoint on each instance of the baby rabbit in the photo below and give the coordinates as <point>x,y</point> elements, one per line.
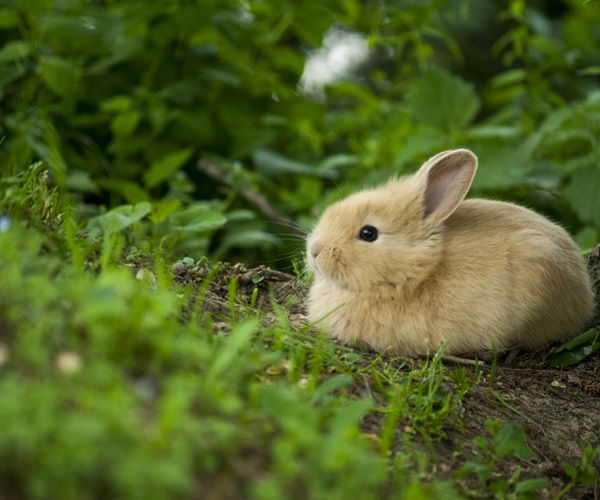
<point>412,266</point>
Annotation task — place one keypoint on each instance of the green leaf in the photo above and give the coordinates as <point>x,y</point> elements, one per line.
<point>180,92</point>
<point>510,441</point>
<point>241,215</point>
<point>81,182</point>
<point>120,218</point>
<point>501,167</point>
<point>122,49</point>
<point>165,167</point>
<point>330,385</point>
<point>582,193</point>
<point>117,104</point>
<point>586,238</point>
<point>423,143</point>
<point>350,414</point>
<point>442,101</point>
<point>197,219</point>
<point>332,165</point>
<point>9,18</point>
<point>308,192</point>
<point>438,490</point>
<point>271,164</point>
<point>132,192</point>
<point>162,209</point>
<point>482,471</point>
<point>125,123</point>
<point>196,127</point>
<point>229,350</point>
<point>508,78</point>
<point>489,131</point>
<point>60,75</point>
<point>250,238</point>
<point>531,485</point>
<point>576,349</point>
<point>10,72</point>
<point>15,50</point>
<point>570,470</point>
<point>590,71</point>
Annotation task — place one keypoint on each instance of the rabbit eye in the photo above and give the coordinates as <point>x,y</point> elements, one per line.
<point>368,233</point>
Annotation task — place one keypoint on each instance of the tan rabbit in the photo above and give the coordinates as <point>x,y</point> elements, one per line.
<point>412,266</point>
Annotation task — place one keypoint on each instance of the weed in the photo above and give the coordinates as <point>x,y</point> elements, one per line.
<point>505,441</point>
<point>585,474</point>
<point>423,398</point>
<point>30,197</point>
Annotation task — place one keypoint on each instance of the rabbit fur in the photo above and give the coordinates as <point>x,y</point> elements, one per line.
<point>469,275</point>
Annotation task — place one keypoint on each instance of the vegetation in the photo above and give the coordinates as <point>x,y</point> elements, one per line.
<point>119,381</point>
<point>141,138</point>
<point>194,108</point>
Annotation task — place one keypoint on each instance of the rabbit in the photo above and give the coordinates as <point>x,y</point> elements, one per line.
<point>411,266</point>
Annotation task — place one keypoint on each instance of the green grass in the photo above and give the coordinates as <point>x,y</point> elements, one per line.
<point>152,407</point>
<point>115,382</point>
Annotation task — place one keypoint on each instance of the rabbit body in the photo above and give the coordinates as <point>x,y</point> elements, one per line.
<point>475,274</point>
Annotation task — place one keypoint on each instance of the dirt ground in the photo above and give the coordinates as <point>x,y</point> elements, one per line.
<point>560,408</point>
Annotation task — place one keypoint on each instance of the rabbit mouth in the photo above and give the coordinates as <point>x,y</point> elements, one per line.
<point>328,266</point>
<point>339,279</point>
<point>325,272</point>
<point>313,264</point>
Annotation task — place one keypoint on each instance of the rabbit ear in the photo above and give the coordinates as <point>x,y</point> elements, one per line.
<point>447,177</point>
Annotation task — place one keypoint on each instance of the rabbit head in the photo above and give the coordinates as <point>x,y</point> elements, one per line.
<point>390,236</point>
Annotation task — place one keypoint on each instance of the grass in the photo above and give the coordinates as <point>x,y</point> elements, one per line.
<point>115,382</point>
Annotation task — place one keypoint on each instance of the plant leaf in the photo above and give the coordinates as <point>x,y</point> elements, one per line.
<point>162,209</point>
<point>125,123</point>
<point>132,192</point>
<point>443,101</point>
<point>9,17</point>
<point>510,441</point>
<point>269,164</point>
<point>120,218</point>
<point>60,75</point>
<point>163,168</point>
<point>582,192</point>
<point>576,350</point>
<point>531,485</point>
<point>228,351</point>
<point>197,219</point>
<point>15,49</point>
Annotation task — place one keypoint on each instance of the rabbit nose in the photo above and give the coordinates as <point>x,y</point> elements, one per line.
<point>315,249</point>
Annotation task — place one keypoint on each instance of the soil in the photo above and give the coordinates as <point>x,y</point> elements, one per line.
<point>559,408</point>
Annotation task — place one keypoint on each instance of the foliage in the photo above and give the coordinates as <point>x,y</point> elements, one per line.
<point>507,440</point>
<point>576,349</point>
<point>585,474</point>
<point>176,127</point>
<point>422,399</point>
<point>106,393</point>
<point>115,382</point>
<point>125,101</point>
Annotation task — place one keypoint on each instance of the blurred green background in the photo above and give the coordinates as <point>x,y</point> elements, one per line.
<point>213,122</point>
